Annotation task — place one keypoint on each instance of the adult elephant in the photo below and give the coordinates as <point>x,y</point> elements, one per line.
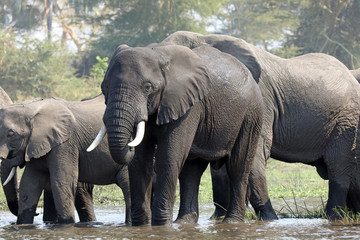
<point>50,137</point>
<point>312,110</point>
<point>356,74</point>
<point>199,106</point>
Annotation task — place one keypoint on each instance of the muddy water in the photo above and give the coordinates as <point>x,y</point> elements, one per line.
<point>110,225</point>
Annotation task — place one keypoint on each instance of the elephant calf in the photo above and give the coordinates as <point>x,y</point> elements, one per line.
<point>50,137</point>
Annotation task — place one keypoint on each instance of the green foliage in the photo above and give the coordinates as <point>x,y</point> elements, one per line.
<point>99,69</point>
<point>263,23</point>
<point>332,27</point>
<point>347,217</point>
<point>108,195</point>
<point>31,68</point>
<point>138,22</point>
<point>20,14</point>
<point>288,51</point>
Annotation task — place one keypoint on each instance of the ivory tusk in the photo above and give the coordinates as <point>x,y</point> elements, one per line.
<point>98,139</point>
<point>11,175</point>
<point>140,131</point>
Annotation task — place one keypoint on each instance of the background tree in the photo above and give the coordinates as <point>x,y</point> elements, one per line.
<point>266,24</point>
<point>138,23</point>
<point>48,47</point>
<point>31,68</point>
<point>332,27</point>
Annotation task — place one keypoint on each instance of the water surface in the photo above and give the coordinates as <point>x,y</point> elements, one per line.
<point>110,225</point>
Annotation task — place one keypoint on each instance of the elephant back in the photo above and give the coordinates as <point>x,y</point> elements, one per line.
<point>356,74</point>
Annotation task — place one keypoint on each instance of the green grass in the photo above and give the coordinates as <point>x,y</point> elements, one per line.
<point>296,190</point>
<point>288,179</point>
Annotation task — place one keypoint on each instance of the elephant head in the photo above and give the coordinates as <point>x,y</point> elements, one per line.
<point>10,189</point>
<point>27,130</point>
<point>159,81</point>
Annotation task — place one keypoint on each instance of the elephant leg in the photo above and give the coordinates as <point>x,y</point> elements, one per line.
<point>140,173</point>
<point>31,187</point>
<point>189,179</point>
<point>164,194</point>
<point>341,166</point>
<point>63,179</point>
<point>259,195</point>
<point>336,199</point>
<point>221,192</point>
<point>238,167</point>
<point>353,198</point>
<point>50,215</point>
<point>84,202</point>
<point>172,151</point>
<point>123,182</point>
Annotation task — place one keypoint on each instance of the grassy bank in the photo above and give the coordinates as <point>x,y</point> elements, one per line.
<point>291,186</point>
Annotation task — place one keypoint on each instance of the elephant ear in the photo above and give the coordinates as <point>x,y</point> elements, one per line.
<point>187,82</point>
<point>240,50</point>
<point>51,125</point>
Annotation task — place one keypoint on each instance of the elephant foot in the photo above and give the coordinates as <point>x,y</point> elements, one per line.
<point>266,212</point>
<point>218,214</point>
<point>266,216</point>
<point>336,213</point>
<point>188,218</point>
<point>26,216</point>
<point>66,220</point>
<point>232,220</point>
<point>156,222</point>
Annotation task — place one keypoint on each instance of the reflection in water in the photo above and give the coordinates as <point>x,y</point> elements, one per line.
<point>110,225</point>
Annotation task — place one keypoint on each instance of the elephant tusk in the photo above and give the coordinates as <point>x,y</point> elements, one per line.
<point>98,139</point>
<point>11,175</point>
<point>140,131</point>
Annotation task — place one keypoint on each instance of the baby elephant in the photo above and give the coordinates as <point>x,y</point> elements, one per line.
<point>50,137</point>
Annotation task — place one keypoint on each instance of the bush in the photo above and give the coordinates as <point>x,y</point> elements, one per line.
<point>34,68</point>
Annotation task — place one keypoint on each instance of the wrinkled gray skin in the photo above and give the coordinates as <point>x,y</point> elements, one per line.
<point>176,91</point>
<point>50,137</point>
<point>356,74</point>
<point>83,200</point>
<point>11,188</point>
<point>312,110</point>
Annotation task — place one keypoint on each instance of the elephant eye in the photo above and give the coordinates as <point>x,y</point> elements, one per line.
<point>10,133</point>
<point>148,87</point>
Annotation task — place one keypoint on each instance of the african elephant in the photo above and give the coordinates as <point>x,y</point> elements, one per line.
<point>199,105</point>
<point>312,110</point>
<point>50,137</point>
<point>11,188</point>
<point>83,200</point>
<point>356,74</point>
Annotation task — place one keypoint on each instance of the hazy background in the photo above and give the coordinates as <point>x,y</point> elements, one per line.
<point>62,47</point>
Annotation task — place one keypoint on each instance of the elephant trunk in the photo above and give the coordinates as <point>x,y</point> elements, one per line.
<point>118,138</point>
<point>11,188</point>
<point>120,119</point>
